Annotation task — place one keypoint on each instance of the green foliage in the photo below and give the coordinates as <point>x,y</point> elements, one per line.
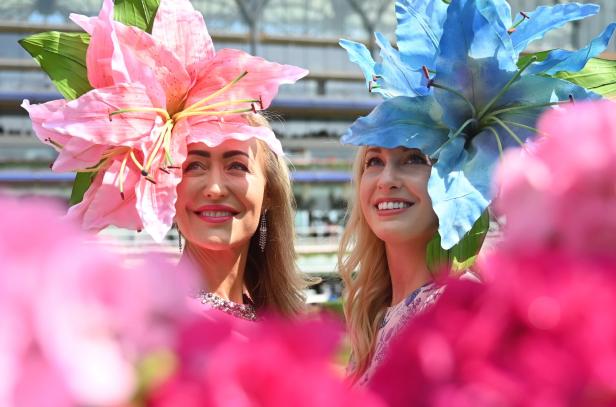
<point>138,13</point>
<point>599,75</point>
<point>83,180</point>
<point>462,255</point>
<point>63,57</point>
<point>525,58</point>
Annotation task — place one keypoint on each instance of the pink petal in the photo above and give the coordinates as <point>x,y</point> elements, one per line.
<point>118,53</point>
<point>42,112</point>
<point>262,80</point>
<point>77,155</point>
<point>213,133</point>
<point>102,204</point>
<point>88,117</point>
<point>150,63</point>
<point>181,29</point>
<point>156,202</point>
<point>85,22</point>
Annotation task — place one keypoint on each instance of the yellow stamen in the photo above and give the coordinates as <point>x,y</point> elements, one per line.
<point>166,129</point>
<point>184,114</point>
<point>137,163</point>
<point>122,168</point>
<point>218,92</point>
<point>158,110</point>
<point>227,103</point>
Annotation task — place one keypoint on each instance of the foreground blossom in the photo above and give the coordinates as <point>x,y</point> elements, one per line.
<point>562,193</point>
<point>153,94</point>
<point>271,363</point>
<point>73,321</point>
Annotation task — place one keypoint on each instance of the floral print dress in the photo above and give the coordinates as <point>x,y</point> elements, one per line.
<point>397,317</point>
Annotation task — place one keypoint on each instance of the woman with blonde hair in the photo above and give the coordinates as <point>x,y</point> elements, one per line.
<point>382,256</point>
<point>163,129</point>
<point>457,95</point>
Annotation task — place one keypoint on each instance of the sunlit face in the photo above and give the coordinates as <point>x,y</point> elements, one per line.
<point>221,194</point>
<point>393,191</point>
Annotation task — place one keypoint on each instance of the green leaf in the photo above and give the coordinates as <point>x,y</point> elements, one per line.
<point>63,57</point>
<point>599,75</point>
<point>541,55</point>
<point>83,180</point>
<point>463,255</point>
<point>138,13</point>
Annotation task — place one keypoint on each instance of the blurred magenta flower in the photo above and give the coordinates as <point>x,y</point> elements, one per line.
<point>224,362</point>
<point>541,333</point>
<point>562,193</point>
<point>73,321</point>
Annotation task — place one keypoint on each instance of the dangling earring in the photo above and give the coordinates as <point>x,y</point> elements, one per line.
<point>263,231</point>
<point>179,239</point>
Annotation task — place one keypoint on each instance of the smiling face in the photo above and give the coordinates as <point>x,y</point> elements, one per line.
<point>393,193</point>
<point>221,194</point>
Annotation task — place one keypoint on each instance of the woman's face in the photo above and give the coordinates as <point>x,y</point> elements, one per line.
<point>221,194</point>
<point>393,191</point>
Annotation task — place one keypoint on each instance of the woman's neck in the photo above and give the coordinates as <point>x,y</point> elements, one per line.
<point>407,269</point>
<point>222,271</point>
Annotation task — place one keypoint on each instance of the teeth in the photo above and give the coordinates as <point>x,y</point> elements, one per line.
<point>393,205</point>
<point>215,214</point>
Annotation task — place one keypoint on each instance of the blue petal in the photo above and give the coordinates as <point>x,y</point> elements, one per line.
<point>471,31</point>
<point>476,58</point>
<point>359,54</point>
<point>420,26</point>
<point>502,11</point>
<point>573,61</point>
<point>546,18</point>
<point>401,121</point>
<point>459,186</point>
<point>531,91</point>
<point>395,77</point>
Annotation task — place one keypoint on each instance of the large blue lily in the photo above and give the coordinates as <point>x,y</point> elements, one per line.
<point>454,90</point>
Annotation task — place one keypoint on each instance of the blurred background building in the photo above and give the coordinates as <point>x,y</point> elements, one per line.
<point>308,117</point>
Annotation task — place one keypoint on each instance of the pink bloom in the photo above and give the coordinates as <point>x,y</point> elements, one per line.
<point>73,321</point>
<point>153,95</point>
<point>563,193</point>
<point>541,333</point>
<point>270,363</point>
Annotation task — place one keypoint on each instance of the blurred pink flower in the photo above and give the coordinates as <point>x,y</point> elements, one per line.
<point>540,333</point>
<point>271,363</point>
<point>73,320</point>
<point>562,193</point>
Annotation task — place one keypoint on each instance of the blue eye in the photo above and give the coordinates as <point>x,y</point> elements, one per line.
<point>417,158</point>
<point>372,161</point>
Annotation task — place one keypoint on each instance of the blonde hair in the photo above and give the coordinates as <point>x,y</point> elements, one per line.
<point>368,292</point>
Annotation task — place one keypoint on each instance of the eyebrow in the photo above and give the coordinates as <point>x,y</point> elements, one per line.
<point>373,150</point>
<point>225,155</point>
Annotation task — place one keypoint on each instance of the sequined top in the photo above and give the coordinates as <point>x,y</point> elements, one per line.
<point>396,317</point>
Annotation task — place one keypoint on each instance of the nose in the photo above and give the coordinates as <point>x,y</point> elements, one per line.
<point>215,186</point>
<point>389,178</point>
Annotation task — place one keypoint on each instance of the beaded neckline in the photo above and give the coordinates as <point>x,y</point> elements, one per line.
<point>243,311</point>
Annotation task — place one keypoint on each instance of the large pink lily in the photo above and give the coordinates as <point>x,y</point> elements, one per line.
<point>153,94</point>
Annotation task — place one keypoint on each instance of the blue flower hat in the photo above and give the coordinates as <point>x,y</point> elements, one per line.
<point>458,89</point>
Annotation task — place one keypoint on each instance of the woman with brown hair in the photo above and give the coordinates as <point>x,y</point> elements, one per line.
<point>165,130</point>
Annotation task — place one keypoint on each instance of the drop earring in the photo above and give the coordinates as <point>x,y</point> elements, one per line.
<point>263,231</point>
